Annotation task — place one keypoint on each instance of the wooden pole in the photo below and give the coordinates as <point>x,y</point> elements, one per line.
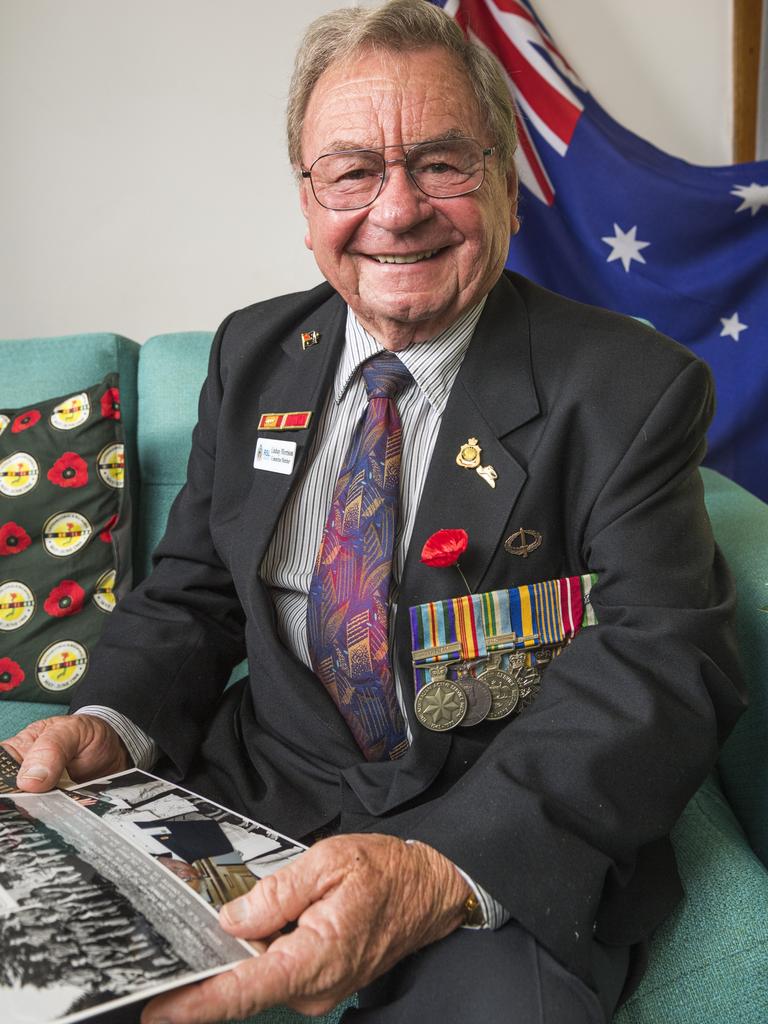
<point>747,36</point>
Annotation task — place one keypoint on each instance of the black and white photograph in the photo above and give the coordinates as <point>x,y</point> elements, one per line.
<point>87,921</point>
<point>219,854</point>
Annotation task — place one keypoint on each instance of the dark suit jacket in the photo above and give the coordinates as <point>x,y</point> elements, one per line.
<point>595,426</point>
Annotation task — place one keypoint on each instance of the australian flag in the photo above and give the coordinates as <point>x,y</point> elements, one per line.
<point>609,219</point>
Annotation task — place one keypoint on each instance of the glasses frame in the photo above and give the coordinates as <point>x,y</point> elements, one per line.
<point>487,151</point>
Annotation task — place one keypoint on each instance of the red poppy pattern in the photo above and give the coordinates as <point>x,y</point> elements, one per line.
<point>106,533</point>
<point>110,404</point>
<point>11,674</point>
<point>444,547</point>
<point>25,420</point>
<point>69,470</point>
<point>13,539</point>
<point>66,598</point>
<point>52,527</point>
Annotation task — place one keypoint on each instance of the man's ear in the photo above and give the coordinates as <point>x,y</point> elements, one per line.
<point>305,200</point>
<point>512,193</point>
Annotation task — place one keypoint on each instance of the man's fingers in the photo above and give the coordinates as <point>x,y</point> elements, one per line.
<point>229,996</point>
<point>275,978</point>
<point>281,898</point>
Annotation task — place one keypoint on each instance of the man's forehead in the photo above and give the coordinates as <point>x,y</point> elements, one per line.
<point>378,97</point>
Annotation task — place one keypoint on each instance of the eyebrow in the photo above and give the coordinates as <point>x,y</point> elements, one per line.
<point>341,145</point>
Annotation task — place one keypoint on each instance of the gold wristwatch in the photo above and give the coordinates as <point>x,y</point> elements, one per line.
<point>473,912</point>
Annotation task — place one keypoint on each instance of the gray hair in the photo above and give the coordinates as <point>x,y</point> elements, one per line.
<point>399,26</point>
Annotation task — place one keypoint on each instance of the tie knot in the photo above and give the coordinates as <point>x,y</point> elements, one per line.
<point>385,375</point>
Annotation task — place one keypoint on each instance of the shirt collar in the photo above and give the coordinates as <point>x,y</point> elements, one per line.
<point>434,364</point>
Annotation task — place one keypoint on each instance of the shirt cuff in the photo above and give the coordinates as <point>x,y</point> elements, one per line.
<point>141,748</point>
<point>493,913</point>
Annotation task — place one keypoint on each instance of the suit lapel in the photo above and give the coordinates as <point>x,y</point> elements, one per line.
<point>301,382</point>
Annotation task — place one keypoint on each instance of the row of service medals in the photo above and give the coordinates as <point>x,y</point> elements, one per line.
<point>503,683</point>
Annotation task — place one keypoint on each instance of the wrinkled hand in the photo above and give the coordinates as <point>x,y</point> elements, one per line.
<point>362,903</point>
<point>87,747</point>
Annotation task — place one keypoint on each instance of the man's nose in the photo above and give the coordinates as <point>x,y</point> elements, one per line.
<point>401,205</point>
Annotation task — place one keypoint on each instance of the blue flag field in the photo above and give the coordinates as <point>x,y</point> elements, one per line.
<point>611,220</point>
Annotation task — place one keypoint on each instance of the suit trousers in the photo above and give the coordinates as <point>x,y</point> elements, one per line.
<point>479,977</point>
<point>493,977</point>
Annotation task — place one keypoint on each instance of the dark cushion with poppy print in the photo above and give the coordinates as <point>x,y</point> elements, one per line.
<point>65,532</point>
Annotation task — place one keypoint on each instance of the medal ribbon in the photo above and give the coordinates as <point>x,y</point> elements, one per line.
<point>471,627</point>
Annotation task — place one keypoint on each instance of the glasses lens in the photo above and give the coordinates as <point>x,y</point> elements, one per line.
<point>347,181</point>
<point>447,169</point>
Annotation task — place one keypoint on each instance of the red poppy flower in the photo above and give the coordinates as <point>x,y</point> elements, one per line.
<point>13,539</point>
<point>110,404</point>
<point>11,674</point>
<point>106,533</point>
<point>69,470</point>
<point>444,547</point>
<point>66,598</point>
<point>25,420</point>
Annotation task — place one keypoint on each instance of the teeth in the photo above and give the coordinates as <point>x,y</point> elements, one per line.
<point>415,258</point>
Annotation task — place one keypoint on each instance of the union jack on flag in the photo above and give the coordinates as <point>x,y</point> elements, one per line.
<point>611,220</point>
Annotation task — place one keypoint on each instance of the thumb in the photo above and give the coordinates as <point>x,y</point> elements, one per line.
<point>45,761</point>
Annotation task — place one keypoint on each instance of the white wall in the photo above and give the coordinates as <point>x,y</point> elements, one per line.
<point>143,182</point>
<point>660,67</point>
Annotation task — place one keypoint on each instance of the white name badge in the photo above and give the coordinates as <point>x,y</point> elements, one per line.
<point>274,456</point>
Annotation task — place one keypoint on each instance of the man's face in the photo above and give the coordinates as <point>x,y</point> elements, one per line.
<point>385,99</point>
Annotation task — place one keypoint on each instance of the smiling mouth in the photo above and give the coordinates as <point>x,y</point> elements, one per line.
<point>415,257</point>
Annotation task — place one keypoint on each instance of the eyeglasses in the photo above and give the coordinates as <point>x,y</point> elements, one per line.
<point>353,178</point>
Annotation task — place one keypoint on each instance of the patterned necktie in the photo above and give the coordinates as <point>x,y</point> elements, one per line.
<point>348,610</point>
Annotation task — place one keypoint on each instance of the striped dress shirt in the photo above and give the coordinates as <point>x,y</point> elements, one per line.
<point>288,564</point>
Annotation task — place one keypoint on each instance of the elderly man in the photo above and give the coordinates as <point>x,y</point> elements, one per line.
<point>523,853</point>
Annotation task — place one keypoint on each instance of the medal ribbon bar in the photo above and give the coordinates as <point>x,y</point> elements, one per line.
<point>472,627</point>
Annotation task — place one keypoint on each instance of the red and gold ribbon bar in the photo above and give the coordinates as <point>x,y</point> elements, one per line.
<point>285,420</point>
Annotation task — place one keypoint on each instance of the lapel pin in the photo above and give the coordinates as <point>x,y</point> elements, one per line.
<point>285,420</point>
<point>469,458</point>
<point>308,339</point>
<point>469,454</point>
<point>523,542</point>
<point>489,474</point>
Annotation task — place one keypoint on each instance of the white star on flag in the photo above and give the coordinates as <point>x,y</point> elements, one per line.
<point>624,246</point>
<point>752,197</point>
<point>732,327</point>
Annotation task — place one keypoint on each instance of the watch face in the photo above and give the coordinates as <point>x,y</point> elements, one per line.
<point>473,912</point>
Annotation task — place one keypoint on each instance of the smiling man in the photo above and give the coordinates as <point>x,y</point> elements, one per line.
<point>494,778</point>
<point>411,264</point>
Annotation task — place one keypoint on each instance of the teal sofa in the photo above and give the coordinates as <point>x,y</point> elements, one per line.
<point>709,961</point>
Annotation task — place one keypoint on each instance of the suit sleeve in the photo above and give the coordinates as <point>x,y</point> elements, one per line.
<point>570,795</point>
<point>171,644</point>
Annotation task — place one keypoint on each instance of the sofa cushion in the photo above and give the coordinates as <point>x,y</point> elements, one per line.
<point>65,552</point>
<point>34,369</point>
<point>172,369</point>
<point>740,522</point>
<point>707,961</point>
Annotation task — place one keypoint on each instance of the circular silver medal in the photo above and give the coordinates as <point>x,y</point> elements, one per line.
<point>478,696</point>
<point>505,692</point>
<point>441,705</point>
